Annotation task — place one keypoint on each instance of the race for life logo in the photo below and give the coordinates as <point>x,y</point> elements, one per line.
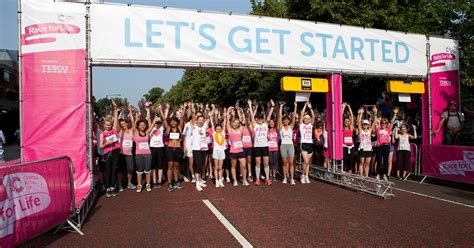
<point>441,59</point>
<point>21,195</point>
<point>47,30</point>
<point>458,167</point>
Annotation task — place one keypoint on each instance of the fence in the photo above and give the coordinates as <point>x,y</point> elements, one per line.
<point>34,197</point>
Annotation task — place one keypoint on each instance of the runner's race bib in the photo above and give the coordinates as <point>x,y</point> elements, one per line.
<point>238,144</point>
<point>156,143</point>
<point>307,136</point>
<point>174,136</point>
<point>127,143</point>
<point>272,144</point>
<point>246,139</point>
<point>383,132</point>
<point>261,139</point>
<point>112,138</point>
<point>348,140</point>
<point>209,140</point>
<point>143,146</point>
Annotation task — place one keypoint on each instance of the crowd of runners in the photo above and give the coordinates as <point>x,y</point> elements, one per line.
<point>156,145</point>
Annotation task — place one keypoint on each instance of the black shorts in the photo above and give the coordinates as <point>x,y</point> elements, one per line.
<point>174,154</point>
<point>126,164</point>
<point>199,160</point>
<point>365,154</point>
<point>248,152</point>
<point>306,147</point>
<point>237,155</point>
<point>261,151</point>
<point>157,157</point>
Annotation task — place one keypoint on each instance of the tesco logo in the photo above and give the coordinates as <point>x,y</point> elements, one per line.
<point>445,83</point>
<point>54,68</point>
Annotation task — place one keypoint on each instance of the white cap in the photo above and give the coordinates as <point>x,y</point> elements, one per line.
<point>365,122</point>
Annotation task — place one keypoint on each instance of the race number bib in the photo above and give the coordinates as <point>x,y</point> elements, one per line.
<point>174,136</point>
<point>261,139</point>
<point>127,143</point>
<point>307,136</point>
<point>112,138</point>
<point>246,139</point>
<point>143,146</point>
<point>238,144</point>
<point>272,144</point>
<point>383,132</point>
<point>156,143</point>
<point>348,140</point>
<point>208,140</point>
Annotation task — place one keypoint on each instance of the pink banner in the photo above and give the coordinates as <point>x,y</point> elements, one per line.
<point>34,197</point>
<point>455,163</point>
<point>335,87</point>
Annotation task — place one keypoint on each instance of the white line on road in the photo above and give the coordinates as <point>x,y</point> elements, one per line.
<point>237,235</point>
<point>436,198</point>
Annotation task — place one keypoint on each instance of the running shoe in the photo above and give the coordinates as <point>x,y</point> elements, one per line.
<point>218,184</point>
<point>307,179</point>
<point>262,177</point>
<point>198,187</point>
<point>268,182</point>
<point>385,178</point>
<point>221,182</point>
<point>170,187</point>
<point>193,180</point>
<point>108,194</point>
<point>131,186</point>
<point>227,179</point>
<point>246,184</point>
<point>120,188</point>
<point>293,182</point>
<point>250,178</point>
<point>236,184</point>
<point>303,179</point>
<point>274,178</point>
<point>139,188</point>
<point>285,181</point>
<point>186,180</point>
<point>377,177</point>
<point>156,186</point>
<point>178,185</point>
<point>257,182</point>
<point>148,187</point>
<point>202,184</point>
<point>113,192</point>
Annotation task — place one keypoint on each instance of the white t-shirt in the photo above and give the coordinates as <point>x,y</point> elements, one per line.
<point>403,143</point>
<point>156,137</point>
<point>187,132</point>
<point>261,135</point>
<point>306,132</point>
<point>286,136</point>
<point>452,119</point>
<point>365,138</point>
<point>216,145</point>
<point>199,141</point>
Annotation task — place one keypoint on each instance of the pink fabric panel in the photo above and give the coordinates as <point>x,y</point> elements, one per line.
<point>335,85</point>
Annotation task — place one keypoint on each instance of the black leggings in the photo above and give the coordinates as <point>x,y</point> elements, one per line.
<point>199,159</point>
<point>382,159</point>
<point>403,160</point>
<point>111,168</point>
<point>348,158</point>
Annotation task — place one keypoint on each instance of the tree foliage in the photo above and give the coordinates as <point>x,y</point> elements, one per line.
<point>154,94</point>
<point>103,106</point>
<point>431,17</point>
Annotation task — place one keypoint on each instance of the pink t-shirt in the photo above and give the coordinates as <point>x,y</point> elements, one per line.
<point>111,135</point>
<point>236,145</point>
<point>246,138</point>
<point>126,142</point>
<point>209,138</point>
<point>383,136</point>
<point>272,140</point>
<point>296,135</point>
<point>347,136</point>
<point>142,146</point>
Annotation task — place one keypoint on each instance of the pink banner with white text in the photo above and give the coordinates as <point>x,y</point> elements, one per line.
<point>34,197</point>
<point>54,86</point>
<point>455,163</point>
<point>444,80</point>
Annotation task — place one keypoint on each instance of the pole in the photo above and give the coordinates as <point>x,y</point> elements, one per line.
<point>20,78</point>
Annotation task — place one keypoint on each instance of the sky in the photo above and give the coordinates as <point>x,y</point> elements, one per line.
<point>130,83</point>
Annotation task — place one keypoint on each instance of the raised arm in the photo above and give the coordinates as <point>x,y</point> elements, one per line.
<point>270,112</point>
<point>313,117</point>
<point>280,114</point>
<point>414,136</point>
<point>360,112</point>
<point>293,118</point>
<point>148,117</point>
<point>395,112</point>
<point>132,119</point>
<point>252,114</point>
<point>396,132</point>
<point>116,124</point>
<point>181,119</point>
<point>351,116</point>
<point>302,113</point>
<point>164,116</point>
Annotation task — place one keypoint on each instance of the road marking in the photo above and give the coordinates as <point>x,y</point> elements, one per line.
<point>436,198</point>
<point>237,235</point>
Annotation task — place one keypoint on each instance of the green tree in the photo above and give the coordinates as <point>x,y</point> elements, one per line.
<point>103,106</point>
<point>154,94</point>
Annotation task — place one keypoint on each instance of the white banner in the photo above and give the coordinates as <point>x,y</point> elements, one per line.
<point>148,35</point>
<point>444,55</point>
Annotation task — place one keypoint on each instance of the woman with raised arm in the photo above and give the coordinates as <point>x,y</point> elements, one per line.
<point>199,146</point>
<point>141,135</point>
<point>236,151</point>
<point>273,148</point>
<point>126,153</point>
<point>110,142</point>
<point>404,149</point>
<point>247,142</point>
<point>174,150</point>
<point>348,142</point>
<point>260,130</point>
<point>210,144</point>
<point>306,131</point>
<point>157,147</point>
<point>218,153</point>
<point>365,146</point>
<point>287,149</point>
<point>188,139</point>
<point>383,143</point>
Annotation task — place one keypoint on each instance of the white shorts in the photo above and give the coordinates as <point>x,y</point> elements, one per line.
<point>218,154</point>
